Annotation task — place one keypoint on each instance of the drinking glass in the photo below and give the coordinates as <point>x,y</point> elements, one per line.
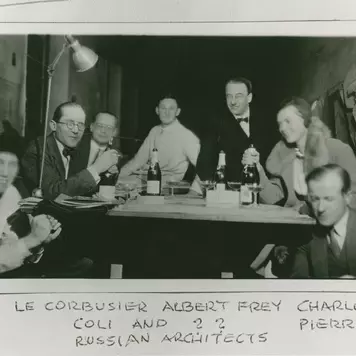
<point>235,186</point>
<point>171,184</point>
<point>207,185</point>
<point>127,188</point>
<point>255,189</point>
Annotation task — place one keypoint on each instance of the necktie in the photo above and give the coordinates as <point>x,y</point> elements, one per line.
<point>242,119</point>
<point>98,154</point>
<point>334,245</point>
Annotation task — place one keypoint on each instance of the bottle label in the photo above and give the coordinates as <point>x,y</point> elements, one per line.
<point>153,187</point>
<point>220,187</point>
<point>246,195</point>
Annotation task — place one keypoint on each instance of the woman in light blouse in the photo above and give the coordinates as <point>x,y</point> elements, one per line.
<point>305,145</point>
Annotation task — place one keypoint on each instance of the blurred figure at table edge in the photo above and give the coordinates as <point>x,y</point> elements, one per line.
<point>177,146</point>
<point>63,174</point>
<point>18,241</point>
<point>306,144</point>
<point>233,132</point>
<point>332,251</point>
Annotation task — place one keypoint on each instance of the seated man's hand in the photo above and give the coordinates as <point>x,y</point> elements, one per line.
<point>113,169</point>
<point>106,160</point>
<point>281,254</point>
<point>44,229</point>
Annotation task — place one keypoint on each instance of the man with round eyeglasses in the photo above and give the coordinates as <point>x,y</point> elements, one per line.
<point>63,173</point>
<point>100,137</point>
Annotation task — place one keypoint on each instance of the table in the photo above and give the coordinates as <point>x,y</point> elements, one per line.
<point>185,229</point>
<point>192,208</point>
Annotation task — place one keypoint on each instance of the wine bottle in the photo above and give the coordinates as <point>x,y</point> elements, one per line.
<point>154,176</point>
<point>250,178</point>
<point>220,176</point>
<point>107,178</point>
<point>107,183</point>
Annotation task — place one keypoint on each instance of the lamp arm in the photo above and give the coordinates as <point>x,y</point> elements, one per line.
<point>50,70</point>
<point>52,66</point>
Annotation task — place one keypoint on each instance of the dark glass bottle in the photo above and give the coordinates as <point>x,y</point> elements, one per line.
<point>107,178</point>
<point>250,178</point>
<point>154,176</point>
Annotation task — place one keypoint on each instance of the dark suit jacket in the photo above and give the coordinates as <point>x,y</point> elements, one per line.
<point>311,260</point>
<point>80,181</point>
<point>226,134</point>
<point>82,152</point>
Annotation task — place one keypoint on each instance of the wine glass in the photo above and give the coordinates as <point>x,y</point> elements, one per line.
<point>235,186</point>
<point>207,185</point>
<point>171,184</point>
<point>127,188</point>
<point>255,189</point>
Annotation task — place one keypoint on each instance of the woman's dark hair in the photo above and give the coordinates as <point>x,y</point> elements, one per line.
<point>11,141</point>
<point>301,105</point>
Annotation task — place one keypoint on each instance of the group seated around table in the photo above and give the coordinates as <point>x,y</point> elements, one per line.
<point>76,164</point>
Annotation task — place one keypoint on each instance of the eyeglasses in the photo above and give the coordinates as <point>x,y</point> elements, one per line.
<point>71,124</point>
<point>104,127</point>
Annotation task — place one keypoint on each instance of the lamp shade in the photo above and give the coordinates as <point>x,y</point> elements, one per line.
<point>83,57</point>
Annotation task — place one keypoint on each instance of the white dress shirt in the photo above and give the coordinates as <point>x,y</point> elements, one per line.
<point>340,230</point>
<point>245,125</point>
<point>176,145</point>
<point>65,160</point>
<point>95,152</point>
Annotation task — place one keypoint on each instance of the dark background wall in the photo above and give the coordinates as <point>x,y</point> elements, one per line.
<point>139,68</point>
<point>196,70</point>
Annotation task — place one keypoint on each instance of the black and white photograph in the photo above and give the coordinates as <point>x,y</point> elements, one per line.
<point>177,157</point>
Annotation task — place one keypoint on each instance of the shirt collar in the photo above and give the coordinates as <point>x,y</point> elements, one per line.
<point>60,146</point>
<point>96,146</point>
<point>171,126</point>
<point>244,115</point>
<point>341,226</point>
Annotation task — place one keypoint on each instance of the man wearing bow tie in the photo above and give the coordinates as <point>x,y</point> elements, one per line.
<point>232,133</point>
<point>62,172</point>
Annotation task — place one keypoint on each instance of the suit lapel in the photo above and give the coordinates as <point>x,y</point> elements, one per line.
<point>319,256</point>
<point>80,159</point>
<point>350,242</point>
<point>55,155</point>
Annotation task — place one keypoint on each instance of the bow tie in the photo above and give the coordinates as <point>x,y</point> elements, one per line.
<point>242,119</point>
<point>67,151</point>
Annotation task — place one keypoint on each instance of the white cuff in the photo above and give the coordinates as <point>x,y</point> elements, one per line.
<point>94,173</point>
